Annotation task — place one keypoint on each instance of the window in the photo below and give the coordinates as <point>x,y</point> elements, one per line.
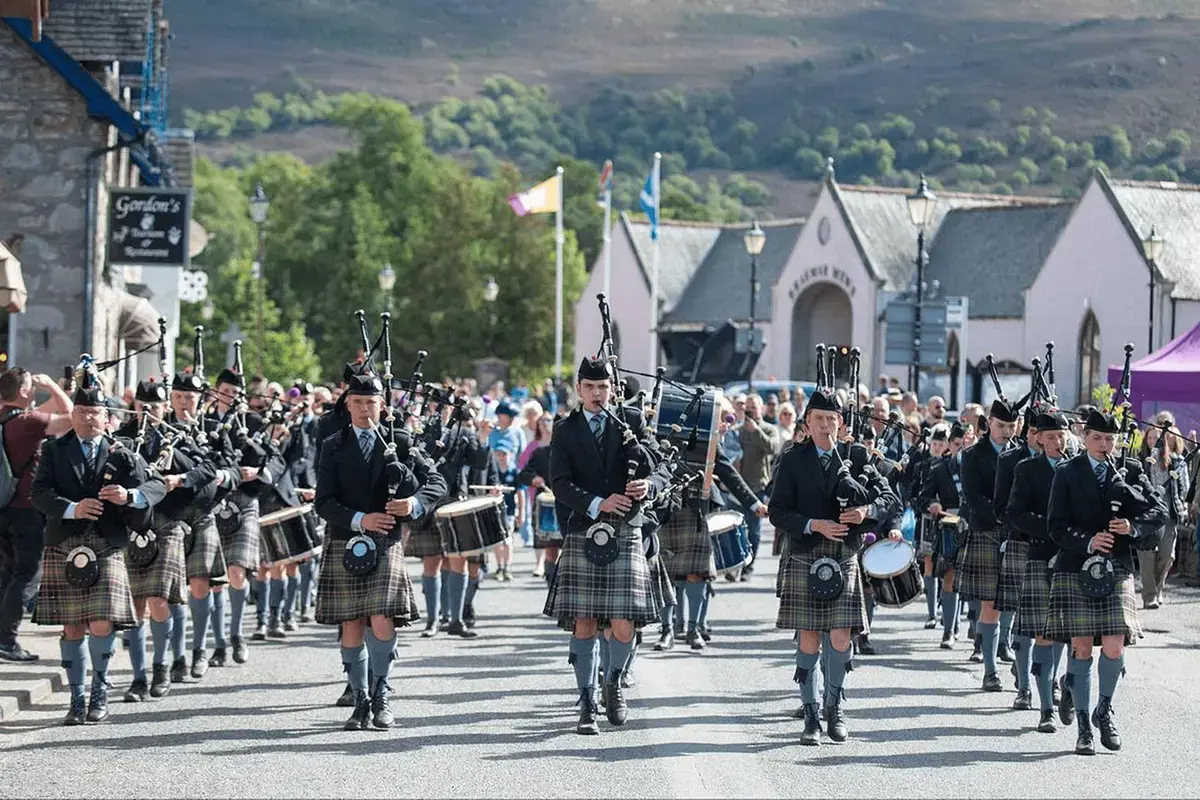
<point>1089,357</point>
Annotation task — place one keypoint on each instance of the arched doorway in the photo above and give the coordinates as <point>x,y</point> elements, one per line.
<point>1089,357</point>
<point>822,315</point>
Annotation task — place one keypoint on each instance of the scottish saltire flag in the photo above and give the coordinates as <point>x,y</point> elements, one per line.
<point>649,203</point>
<point>541,199</point>
<point>606,184</point>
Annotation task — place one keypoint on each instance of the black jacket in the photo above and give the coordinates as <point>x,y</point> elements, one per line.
<point>187,459</point>
<point>581,471</point>
<point>1005,465</point>
<point>300,453</point>
<point>804,492</point>
<point>979,484</point>
<point>347,484</point>
<point>1028,503</point>
<point>1078,511</point>
<point>62,478</point>
<point>249,449</point>
<point>940,487</point>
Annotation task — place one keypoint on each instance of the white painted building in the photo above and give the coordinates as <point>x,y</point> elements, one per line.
<point>1033,270</point>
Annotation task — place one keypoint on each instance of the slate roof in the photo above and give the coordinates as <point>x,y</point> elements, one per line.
<point>100,30</point>
<point>992,255</point>
<point>885,234</point>
<point>720,288</point>
<point>180,149</point>
<point>682,247</point>
<point>1173,210</point>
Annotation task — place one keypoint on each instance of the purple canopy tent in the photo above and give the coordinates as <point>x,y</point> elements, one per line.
<point>1167,379</point>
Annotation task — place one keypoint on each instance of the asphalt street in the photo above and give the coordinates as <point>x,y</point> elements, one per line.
<point>494,717</point>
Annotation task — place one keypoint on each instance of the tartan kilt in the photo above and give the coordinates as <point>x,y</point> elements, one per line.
<point>1012,573</point>
<point>423,540</point>
<point>108,600</point>
<point>166,575</point>
<point>241,547</point>
<point>781,567</point>
<point>686,548</point>
<point>800,611</point>
<point>620,590</point>
<point>927,530</point>
<point>1073,615</point>
<point>661,585</point>
<point>205,559</point>
<point>1035,600</point>
<point>979,570</point>
<point>386,592</point>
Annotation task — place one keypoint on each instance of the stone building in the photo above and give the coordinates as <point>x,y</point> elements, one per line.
<point>74,98</point>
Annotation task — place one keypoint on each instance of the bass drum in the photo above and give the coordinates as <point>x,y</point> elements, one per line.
<point>892,570</point>
<point>730,542</point>
<point>546,532</point>
<point>690,420</point>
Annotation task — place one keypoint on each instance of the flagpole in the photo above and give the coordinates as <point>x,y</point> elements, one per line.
<point>608,242</point>
<point>558,280</point>
<point>656,180</point>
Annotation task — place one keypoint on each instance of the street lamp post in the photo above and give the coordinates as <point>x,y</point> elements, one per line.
<point>921,209</point>
<point>387,282</point>
<point>490,292</point>
<point>754,240</point>
<point>1152,246</point>
<point>260,204</point>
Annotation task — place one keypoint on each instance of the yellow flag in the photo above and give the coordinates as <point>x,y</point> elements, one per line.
<point>541,199</point>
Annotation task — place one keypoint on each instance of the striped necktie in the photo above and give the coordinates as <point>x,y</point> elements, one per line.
<point>366,443</point>
<point>597,424</point>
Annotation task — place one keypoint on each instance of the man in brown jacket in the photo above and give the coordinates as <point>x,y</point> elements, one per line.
<point>760,445</point>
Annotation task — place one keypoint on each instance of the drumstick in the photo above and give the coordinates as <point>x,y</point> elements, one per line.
<point>490,488</point>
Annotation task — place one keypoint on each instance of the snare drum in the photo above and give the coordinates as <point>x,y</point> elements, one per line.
<point>472,526</point>
<point>730,543</point>
<point>546,532</point>
<point>892,570</point>
<point>286,536</point>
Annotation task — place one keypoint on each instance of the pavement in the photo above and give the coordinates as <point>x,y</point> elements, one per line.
<point>495,717</point>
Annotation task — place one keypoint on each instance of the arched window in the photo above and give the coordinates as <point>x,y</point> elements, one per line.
<point>1089,357</point>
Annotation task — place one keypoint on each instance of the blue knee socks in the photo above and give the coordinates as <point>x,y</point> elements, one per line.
<point>306,582</point>
<point>931,596</point>
<point>201,610</point>
<point>179,616</point>
<point>289,597</point>
<point>446,604</point>
<point>135,640</point>
<point>602,642</point>
<point>583,658</point>
<point>160,634</point>
<point>667,618</point>
<point>380,653</point>
<point>836,676</point>
<point>1081,683</point>
<point>682,599</point>
<point>1060,648</point>
<point>101,650</point>
<point>1043,675</point>
<point>218,618</point>
<point>695,599</point>
<point>618,658</point>
<point>1006,625</point>
<point>988,634</point>
<point>472,589</point>
<point>870,610</point>
<point>702,623</point>
<point>354,662</point>
<point>1110,671</point>
<point>237,610</point>
<point>262,600</point>
<point>74,661</point>
<point>457,594</point>
<point>806,665</point>
<point>276,594</point>
<point>949,613</point>
<point>1024,647</point>
<point>431,587</point>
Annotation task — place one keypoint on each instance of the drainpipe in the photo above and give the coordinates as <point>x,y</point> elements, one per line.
<point>1173,309</point>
